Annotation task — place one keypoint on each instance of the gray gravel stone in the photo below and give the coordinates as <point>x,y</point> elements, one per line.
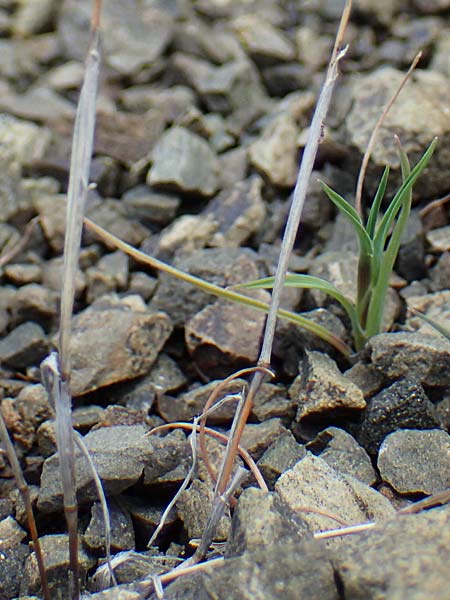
<point>312,483</point>
<point>413,461</point>
<point>283,454</point>
<point>121,454</point>
<point>184,161</point>
<point>26,345</point>
<point>414,566</point>
<point>34,302</point>
<point>122,532</point>
<point>402,405</point>
<point>148,206</point>
<point>11,533</point>
<point>11,570</point>
<point>400,354</point>
<point>125,345</point>
<point>322,389</point>
<point>342,452</point>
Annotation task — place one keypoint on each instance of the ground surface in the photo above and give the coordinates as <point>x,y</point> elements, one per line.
<point>203,113</point>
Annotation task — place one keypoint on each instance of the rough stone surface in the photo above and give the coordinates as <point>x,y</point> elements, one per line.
<point>322,389</point>
<point>11,533</point>
<point>126,345</point>
<point>402,405</point>
<point>433,306</point>
<point>417,565</point>
<point>25,345</point>
<point>121,454</point>
<point>283,454</point>
<point>399,354</point>
<point>56,551</point>
<point>184,161</point>
<point>313,483</point>
<point>256,438</point>
<point>122,532</point>
<point>416,461</point>
<point>11,570</point>
<point>342,452</point>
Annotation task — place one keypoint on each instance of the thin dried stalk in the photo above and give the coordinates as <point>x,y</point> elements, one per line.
<point>299,195</point>
<point>376,129</point>
<point>24,491</point>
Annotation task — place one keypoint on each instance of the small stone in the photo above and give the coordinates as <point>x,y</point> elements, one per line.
<point>38,103</point>
<point>194,508</point>
<point>399,354</point>
<point>413,461</point>
<point>342,452</point>
<point>55,548</point>
<point>52,217</point>
<point>439,239</point>
<point>402,405</point>
<point>186,234</point>
<point>283,454</point>
<point>126,345</point>
<point>120,454</point>
<point>256,438</point>
<point>66,76</point>
<point>148,206</point>
<point>185,162</point>
<point>440,273</point>
<point>143,284</point>
<point>261,518</point>
<point>313,483</point>
<point>109,275</point>
<point>264,43</point>
<point>273,401</point>
<point>122,532</point>
<point>111,215</point>
<point>21,274</point>
<point>433,306</point>
<point>172,103</point>
<point>33,17</point>
<point>34,302</point>
<point>146,517</point>
<point>26,345</point>
<point>11,533</point>
<point>367,378</point>
<point>52,277</point>
<point>321,388</point>
<point>275,152</point>
<point>11,570</point>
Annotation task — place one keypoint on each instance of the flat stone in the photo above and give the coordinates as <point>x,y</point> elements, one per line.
<point>120,454</point>
<point>275,152</point>
<point>366,377</point>
<point>415,558</point>
<point>434,306</point>
<point>11,533</point>
<point>413,461</point>
<point>38,103</point>
<point>257,437</point>
<point>11,570</point>
<point>194,508</point>
<point>342,452</point>
<point>312,483</point>
<point>280,456</point>
<point>439,239</point>
<point>261,40</point>
<point>126,344</point>
<point>185,162</point>
<point>111,215</point>
<point>402,405</point>
<point>55,548</point>
<point>122,532</point>
<point>322,389</point>
<point>144,34</point>
<point>271,401</point>
<point>21,274</point>
<point>399,354</point>
<point>33,17</point>
<point>110,274</point>
<point>26,345</point>
<point>172,103</point>
<point>146,205</point>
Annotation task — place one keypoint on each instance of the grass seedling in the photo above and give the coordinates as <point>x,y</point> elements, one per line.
<point>379,242</point>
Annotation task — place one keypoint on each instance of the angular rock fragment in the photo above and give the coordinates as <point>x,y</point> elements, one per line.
<point>111,344</point>
<point>194,508</point>
<point>280,456</point>
<point>322,389</point>
<point>402,405</point>
<point>122,532</point>
<point>312,483</point>
<point>342,452</point>
<point>183,161</point>
<point>400,354</point>
<point>26,345</point>
<point>413,461</point>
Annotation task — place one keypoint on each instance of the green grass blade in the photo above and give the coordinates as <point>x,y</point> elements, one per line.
<point>216,290</point>
<point>375,208</point>
<point>399,198</point>
<point>310,282</point>
<point>347,209</point>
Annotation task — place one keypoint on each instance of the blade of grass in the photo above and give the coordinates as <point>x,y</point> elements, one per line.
<point>375,208</point>
<point>216,290</point>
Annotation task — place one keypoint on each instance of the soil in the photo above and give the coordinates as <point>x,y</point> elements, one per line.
<point>203,113</point>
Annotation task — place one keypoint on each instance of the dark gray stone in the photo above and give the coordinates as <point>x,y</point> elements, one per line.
<point>416,461</point>
<point>26,345</point>
<point>400,354</point>
<point>283,454</point>
<point>122,532</point>
<point>402,405</point>
<point>256,438</point>
<point>11,570</point>
<point>263,42</point>
<point>148,206</point>
<point>342,452</point>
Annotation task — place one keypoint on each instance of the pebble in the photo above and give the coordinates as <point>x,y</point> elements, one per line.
<point>26,345</point>
<point>402,405</point>
<point>321,389</point>
<point>399,354</point>
<point>416,462</point>
<point>122,532</point>
<point>280,456</point>
<point>184,162</point>
<point>147,206</point>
